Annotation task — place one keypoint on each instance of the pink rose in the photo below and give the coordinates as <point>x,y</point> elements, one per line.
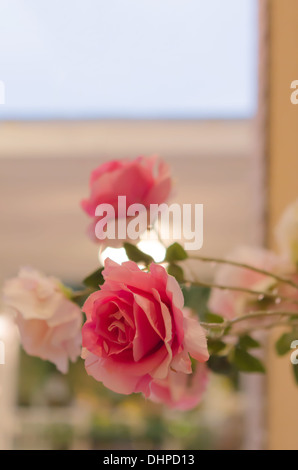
<point>229,303</point>
<point>181,391</point>
<point>49,323</point>
<point>145,180</point>
<point>136,331</point>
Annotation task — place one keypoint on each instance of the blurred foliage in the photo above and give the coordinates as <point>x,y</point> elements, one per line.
<point>107,420</point>
<point>196,298</point>
<point>74,411</point>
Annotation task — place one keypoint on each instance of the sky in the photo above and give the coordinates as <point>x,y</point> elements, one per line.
<point>135,59</point>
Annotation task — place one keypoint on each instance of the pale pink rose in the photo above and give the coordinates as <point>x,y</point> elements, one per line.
<point>229,303</point>
<point>144,180</point>
<point>285,290</point>
<point>278,304</point>
<point>49,323</point>
<point>136,331</point>
<point>179,390</point>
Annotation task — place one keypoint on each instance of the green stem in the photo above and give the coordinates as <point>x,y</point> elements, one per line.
<point>243,289</point>
<point>258,314</point>
<point>81,293</point>
<point>245,266</point>
<point>248,316</point>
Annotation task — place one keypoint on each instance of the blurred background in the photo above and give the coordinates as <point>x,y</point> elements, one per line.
<point>87,81</point>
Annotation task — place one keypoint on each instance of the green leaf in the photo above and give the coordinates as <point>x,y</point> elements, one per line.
<point>175,252</point>
<point>283,344</point>
<point>196,298</point>
<point>176,271</point>
<point>247,342</point>
<point>136,255</point>
<point>220,365</point>
<point>227,330</point>
<point>80,299</point>
<point>212,318</point>
<point>94,279</point>
<point>215,346</point>
<point>245,362</point>
<point>295,371</point>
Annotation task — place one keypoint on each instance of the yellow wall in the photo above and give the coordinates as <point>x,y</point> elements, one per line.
<point>283,188</point>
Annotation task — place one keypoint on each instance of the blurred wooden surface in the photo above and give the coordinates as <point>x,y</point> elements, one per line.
<point>283,189</point>
<point>42,223</point>
<point>44,173</point>
<point>115,139</point>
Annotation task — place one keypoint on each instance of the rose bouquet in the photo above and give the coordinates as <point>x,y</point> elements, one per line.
<point>154,326</point>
